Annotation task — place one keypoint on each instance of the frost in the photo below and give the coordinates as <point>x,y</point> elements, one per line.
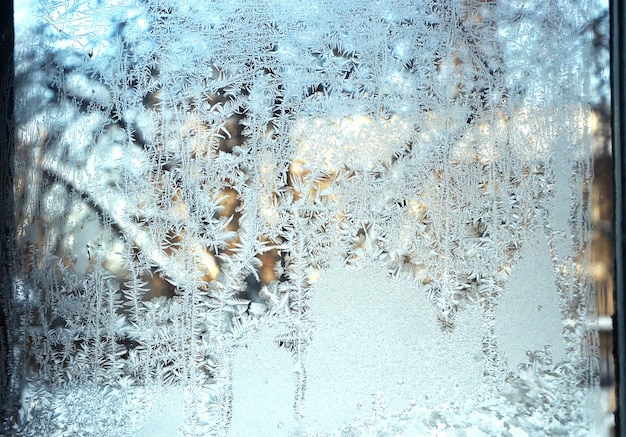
<point>264,384</point>
<point>528,318</point>
<point>386,342</point>
<point>358,142</point>
<point>352,218</point>
<point>166,413</point>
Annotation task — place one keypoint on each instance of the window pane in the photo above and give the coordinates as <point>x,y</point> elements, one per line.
<point>284,218</point>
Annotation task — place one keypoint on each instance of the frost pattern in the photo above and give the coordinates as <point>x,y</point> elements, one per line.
<point>194,178</point>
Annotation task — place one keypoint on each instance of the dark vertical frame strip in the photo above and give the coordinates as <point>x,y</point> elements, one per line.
<point>618,107</point>
<point>7,393</point>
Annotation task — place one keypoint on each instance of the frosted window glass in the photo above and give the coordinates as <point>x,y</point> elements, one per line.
<point>290,218</point>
